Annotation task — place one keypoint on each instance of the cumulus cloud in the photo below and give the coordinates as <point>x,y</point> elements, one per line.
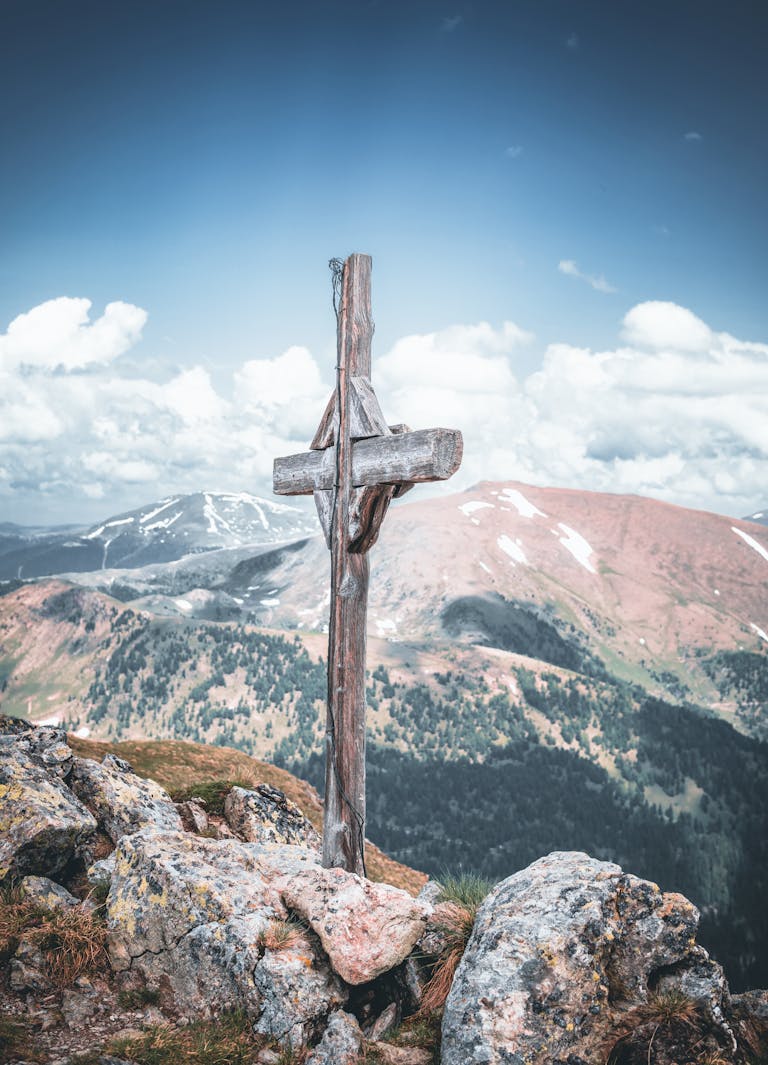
<point>674,410</point>
<point>59,334</point>
<point>692,136</point>
<point>571,269</point>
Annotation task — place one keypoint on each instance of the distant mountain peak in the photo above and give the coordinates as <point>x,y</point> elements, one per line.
<point>164,530</point>
<point>760,516</point>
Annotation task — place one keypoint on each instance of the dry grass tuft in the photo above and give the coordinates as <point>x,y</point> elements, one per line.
<point>228,1040</point>
<point>461,897</point>
<point>456,924</point>
<point>670,1010</point>
<point>281,935</point>
<point>72,941</point>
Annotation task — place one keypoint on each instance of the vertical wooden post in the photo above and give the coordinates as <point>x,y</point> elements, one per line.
<point>344,819</point>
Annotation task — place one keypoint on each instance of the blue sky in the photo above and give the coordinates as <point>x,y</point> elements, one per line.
<point>549,164</point>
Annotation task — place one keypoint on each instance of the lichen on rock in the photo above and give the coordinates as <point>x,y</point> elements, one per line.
<point>122,801</point>
<point>557,952</point>
<point>43,827</point>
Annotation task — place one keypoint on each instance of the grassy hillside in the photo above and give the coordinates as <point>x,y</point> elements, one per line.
<point>177,766</point>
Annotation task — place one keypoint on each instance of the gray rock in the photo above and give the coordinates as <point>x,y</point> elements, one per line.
<point>552,948</point>
<point>266,815</point>
<point>47,894</point>
<point>297,989</point>
<point>753,1004</point>
<point>44,745</point>
<point>748,1018</point>
<point>99,875</point>
<point>122,802</point>
<point>193,815</point>
<point>387,1054</point>
<point>79,1005</point>
<point>28,969</point>
<point>430,893</point>
<point>43,827</point>
<point>341,1042</point>
<point>191,913</point>
<point>703,981</point>
<point>384,1023</point>
<point>267,1056</point>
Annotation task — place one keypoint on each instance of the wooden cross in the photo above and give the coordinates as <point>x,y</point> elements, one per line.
<point>356,465</point>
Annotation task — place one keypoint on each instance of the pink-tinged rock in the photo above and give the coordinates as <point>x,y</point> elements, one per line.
<point>366,929</point>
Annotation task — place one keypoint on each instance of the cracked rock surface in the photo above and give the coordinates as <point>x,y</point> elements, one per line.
<point>557,950</point>
<point>264,814</point>
<point>366,929</point>
<point>122,801</point>
<point>194,912</point>
<point>43,827</point>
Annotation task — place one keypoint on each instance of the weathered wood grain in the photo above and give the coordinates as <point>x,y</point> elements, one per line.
<point>368,506</point>
<point>365,417</point>
<point>424,455</point>
<point>344,815</point>
<point>356,465</point>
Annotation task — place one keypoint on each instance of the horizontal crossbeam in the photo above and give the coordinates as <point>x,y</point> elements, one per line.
<point>425,455</point>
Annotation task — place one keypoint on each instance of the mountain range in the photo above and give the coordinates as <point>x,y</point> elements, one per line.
<point>165,531</point>
<point>549,669</point>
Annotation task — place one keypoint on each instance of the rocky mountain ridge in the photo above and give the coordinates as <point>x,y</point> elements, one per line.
<point>646,591</point>
<point>161,532</point>
<point>569,960</point>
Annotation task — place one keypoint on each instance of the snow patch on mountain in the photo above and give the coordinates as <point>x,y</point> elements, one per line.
<point>576,544</point>
<point>523,507</point>
<point>473,505</point>
<point>164,523</point>
<point>513,549</point>
<point>164,504</point>
<point>752,542</point>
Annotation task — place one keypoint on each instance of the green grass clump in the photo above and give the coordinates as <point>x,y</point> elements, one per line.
<point>461,896</point>
<point>227,1040</point>
<point>465,889</point>
<point>212,792</point>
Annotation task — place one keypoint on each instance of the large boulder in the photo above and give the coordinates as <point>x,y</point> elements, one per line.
<point>366,929</point>
<point>266,815</point>
<point>44,745</point>
<point>194,915</point>
<point>122,801</point>
<point>43,827</point>
<point>559,953</point>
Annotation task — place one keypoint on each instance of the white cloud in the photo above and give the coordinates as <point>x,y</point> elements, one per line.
<point>514,151</point>
<point>58,333</point>
<point>692,136</point>
<point>572,42</point>
<point>662,325</point>
<point>674,410</point>
<point>571,269</point>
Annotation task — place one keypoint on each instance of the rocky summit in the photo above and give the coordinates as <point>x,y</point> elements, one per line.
<point>191,916</point>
